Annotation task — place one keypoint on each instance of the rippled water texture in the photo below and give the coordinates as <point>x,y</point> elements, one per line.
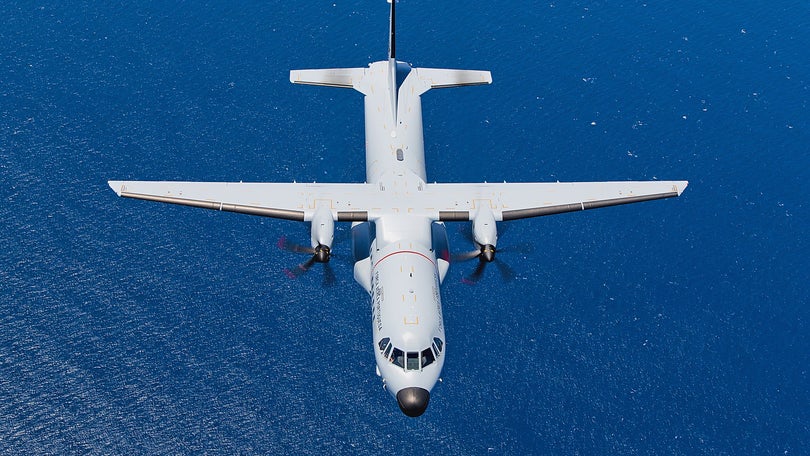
<point>670,327</point>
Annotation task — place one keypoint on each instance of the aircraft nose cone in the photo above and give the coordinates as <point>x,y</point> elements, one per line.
<point>413,401</point>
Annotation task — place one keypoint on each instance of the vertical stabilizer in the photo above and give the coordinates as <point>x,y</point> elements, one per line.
<point>392,43</point>
<point>392,60</point>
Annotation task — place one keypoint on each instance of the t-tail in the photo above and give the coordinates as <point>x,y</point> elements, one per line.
<point>432,78</point>
<point>392,105</point>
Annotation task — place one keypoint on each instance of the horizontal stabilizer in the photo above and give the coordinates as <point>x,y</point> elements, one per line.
<point>439,78</point>
<point>330,77</point>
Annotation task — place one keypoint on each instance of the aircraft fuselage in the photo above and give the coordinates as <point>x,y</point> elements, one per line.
<point>403,266</point>
<point>399,240</point>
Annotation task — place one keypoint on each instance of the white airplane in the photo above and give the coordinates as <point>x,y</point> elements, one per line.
<point>398,233</point>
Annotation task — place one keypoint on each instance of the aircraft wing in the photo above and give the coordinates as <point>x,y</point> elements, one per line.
<point>290,201</point>
<point>511,201</point>
<point>360,202</point>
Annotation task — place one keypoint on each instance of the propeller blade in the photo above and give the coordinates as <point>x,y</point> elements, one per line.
<point>476,275</point>
<point>465,256</point>
<point>300,269</point>
<point>328,275</point>
<point>506,272</point>
<point>525,248</point>
<point>290,246</point>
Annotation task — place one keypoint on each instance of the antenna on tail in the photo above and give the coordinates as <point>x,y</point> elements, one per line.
<point>392,51</point>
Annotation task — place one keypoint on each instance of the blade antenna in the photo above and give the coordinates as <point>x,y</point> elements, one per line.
<point>392,48</point>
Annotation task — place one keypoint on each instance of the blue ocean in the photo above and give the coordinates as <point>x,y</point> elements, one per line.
<point>675,327</point>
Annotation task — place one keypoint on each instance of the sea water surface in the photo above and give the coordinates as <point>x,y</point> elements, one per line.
<point>669,327</point>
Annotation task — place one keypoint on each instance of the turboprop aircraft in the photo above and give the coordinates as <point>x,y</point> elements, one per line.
<point>397,218</point>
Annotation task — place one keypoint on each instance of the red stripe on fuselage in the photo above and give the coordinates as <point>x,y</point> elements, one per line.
<point>405,251</point>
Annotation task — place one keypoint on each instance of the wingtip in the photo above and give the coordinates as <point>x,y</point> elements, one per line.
<point>116,186</point>
<point>681,186</point>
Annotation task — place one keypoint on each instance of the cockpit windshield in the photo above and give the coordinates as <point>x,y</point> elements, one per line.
<point>397,357</point>
<point>427,357</point>
<point>411,361</point>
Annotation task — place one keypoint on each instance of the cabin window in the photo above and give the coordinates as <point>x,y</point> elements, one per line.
<point>413,361</point>
<point>427,357</point>
<point>400,155</point>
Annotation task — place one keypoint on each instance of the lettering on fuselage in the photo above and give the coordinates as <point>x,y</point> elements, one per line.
<point>438,301</point>
<point>378,295</point>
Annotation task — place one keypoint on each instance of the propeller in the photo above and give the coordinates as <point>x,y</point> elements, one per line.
<point>319,254</point>
<point>485,253</point>
<point>322,235</point>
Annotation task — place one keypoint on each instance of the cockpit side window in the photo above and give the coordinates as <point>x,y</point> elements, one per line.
<point>387,351</point>
<point>383,342</point>
<point>438,344</point>
<point>427,357</point>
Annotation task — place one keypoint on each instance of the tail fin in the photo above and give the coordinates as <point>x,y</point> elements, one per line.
<point>430,78</point>
<point>392,42</point>
<point>346,77</point>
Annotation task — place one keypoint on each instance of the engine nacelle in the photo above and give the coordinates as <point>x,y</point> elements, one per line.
<point>485,233</point>
<point>322,234</point>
